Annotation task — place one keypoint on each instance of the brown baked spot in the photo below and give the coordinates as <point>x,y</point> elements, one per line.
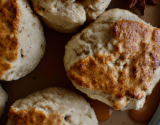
<point>9,26</point>
<point>34,117</point>
<point>138,43</point>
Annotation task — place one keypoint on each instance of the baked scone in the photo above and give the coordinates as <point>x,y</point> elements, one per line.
<point>3,100</point>
<point>22,41</point>
<point>52,106</point>
<point>67,15</point>
<point>115,60</point>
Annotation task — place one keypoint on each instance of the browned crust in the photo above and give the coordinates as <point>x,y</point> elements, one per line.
<point>138,43</point>
<point>9,26</point>
<point>34,117</point>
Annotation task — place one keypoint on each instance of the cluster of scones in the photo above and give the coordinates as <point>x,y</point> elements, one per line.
<point>115,59</point>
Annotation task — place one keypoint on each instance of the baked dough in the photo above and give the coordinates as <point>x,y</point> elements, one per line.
<point>116,59</point>
<point>67,15</point>
<point>3,100</point>
<point>22,41</point>
<point>52,106</point>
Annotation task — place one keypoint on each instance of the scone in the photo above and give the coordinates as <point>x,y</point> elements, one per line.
<point>115,60</point>
<point>22,41</point>
<point>52,106</point>
<point>3,100</point>
<point>67,15</point>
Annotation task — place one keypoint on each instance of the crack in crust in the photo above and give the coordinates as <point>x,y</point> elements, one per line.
<point>9,25</point>
<point>138,47</point>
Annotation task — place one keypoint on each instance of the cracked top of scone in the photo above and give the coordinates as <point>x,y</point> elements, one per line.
<point>116,58</point>
<point>9,26</point>
<point>52,106</point>
<point>68,15</point>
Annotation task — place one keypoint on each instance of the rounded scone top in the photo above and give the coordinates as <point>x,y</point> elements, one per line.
<point>116,59</point>
<point>20,49</point>
<point>52,106</point>
<point>67,15</point>
<point>3,100</point>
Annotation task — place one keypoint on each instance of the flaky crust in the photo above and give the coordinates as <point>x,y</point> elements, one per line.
<point>52,106</point>
<point>22,42</point>
<point>115,60</point>
<point>67,15</point>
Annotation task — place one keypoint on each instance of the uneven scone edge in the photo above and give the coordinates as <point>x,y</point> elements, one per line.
<point>30,39</point>
<point>71,58</point>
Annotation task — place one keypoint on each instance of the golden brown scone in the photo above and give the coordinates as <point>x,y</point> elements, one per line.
<point>116,59</point>
<point>67,15</point>
<point>52,106</point>
<point>3,100</point>
<point>22,41</point>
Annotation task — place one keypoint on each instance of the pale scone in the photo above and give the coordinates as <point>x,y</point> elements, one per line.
<point>67,15</point>
<point>52,106</point>
<point>116,59</point>
<point>22,41</point>
<point>3,100</point>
